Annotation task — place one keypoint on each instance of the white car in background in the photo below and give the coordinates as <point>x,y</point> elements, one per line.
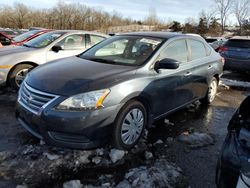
<point>216,42</point>
<point>16,62</point>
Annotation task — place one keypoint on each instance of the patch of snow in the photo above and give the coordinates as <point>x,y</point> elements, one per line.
<point>166,121</point>
<point>196,139</point>
<point>96,159</point>
<point>158,142</point>
<point>21,186</point>
<point>148,155</point>
<point>161,174</point>
<point>72,184</point>
<point>116,155</point>
<point>51,156</point>
<point>237,83</point>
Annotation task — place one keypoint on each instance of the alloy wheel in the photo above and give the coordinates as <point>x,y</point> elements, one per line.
<point>212,90</point>
<point>20,76</point>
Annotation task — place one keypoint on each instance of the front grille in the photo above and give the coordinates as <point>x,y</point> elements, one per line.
<point>32,99</point>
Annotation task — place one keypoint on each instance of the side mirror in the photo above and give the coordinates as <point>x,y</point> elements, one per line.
<point>167,64</point>
<point>56,48</point>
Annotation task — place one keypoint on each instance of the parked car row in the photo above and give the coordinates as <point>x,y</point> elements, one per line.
<point>16,62</point>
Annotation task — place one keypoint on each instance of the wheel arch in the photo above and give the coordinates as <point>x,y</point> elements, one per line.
<point>217,76</point>
<point>21,63</point>
<point>147,103</point>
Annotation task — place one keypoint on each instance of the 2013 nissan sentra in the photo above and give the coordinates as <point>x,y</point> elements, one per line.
<point>116,89</point>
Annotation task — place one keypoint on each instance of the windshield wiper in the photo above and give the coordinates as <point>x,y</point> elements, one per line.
<point>102,60</point>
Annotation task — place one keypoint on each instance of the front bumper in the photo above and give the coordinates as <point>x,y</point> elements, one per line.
<point>83,130</point>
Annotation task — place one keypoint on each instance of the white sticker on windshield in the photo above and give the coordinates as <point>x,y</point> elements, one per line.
<point>150,41</point>
<point>56,35</point>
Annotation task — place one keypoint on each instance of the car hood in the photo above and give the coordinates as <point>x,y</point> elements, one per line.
<point>73,75</point>
<point>13,50</point>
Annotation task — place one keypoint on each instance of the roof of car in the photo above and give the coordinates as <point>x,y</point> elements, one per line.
<point>241,37</point>
<point>165,35</point>
<point>80,31</point>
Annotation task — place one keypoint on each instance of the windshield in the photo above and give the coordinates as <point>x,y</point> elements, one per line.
<point>44,40</point>
<point>123,50</point>
<point>25,35</point>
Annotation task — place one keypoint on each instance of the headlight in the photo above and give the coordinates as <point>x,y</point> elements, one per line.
<point>84,101</point>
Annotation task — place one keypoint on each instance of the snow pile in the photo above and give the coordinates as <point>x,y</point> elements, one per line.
<point>235,83</point>
<point>116,155</point>
<point>196,140</point>
<point>160,174</point>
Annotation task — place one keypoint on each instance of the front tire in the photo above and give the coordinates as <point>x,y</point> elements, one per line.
<point>211,92</point>
<point>129,125</point>
<point>18,74</point>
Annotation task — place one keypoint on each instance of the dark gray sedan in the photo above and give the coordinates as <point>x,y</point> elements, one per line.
<point>116,89</point>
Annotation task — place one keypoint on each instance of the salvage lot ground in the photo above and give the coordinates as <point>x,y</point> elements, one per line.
<point>24,159</point>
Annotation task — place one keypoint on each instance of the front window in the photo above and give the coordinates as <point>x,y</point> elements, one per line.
<point>124,50</point>
<point>24,36</point>
<point>44,40</point>
<point>176,50</point>
<point>73,42</point>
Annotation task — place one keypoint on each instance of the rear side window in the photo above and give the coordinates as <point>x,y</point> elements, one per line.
<point>198,49</point>
<point>94,39</point>
<point>237,43</point>
<point>176,50</point>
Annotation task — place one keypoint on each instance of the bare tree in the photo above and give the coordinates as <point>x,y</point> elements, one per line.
<point>208,15</point>
<point>152,17</point>
<point>223,7</point>
<point>241,11</point>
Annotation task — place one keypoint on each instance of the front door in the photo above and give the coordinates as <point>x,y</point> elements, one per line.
<point>71,45</point>
<point>174,86</point>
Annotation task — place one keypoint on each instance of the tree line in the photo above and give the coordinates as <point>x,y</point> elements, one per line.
<point>62,16</point>
<point>80,17</point>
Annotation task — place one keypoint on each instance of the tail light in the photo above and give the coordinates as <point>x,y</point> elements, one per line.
<point>222,49</point>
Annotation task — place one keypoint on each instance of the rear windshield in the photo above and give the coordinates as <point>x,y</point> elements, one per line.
<point>238,43</point>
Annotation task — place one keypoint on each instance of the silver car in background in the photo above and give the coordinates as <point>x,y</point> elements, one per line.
<point>16,62</point>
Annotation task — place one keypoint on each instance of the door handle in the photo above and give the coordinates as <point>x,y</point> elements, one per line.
<point>188,74</point>
<point>210,67</point>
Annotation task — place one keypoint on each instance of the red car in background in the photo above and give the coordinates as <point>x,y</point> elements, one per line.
<point>25,37</point>
<point>4,38</point>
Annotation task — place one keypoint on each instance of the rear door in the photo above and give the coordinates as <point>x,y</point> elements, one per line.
<point>71,45</point>
<point>201,65</point>
<point>174,87</point>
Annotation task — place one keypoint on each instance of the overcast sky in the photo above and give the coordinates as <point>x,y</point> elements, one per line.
<point>136,9</point>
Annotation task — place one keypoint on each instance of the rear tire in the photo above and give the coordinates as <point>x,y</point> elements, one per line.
<point>18,74</point>
<point>211,92</point>
<point>129,125</point>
